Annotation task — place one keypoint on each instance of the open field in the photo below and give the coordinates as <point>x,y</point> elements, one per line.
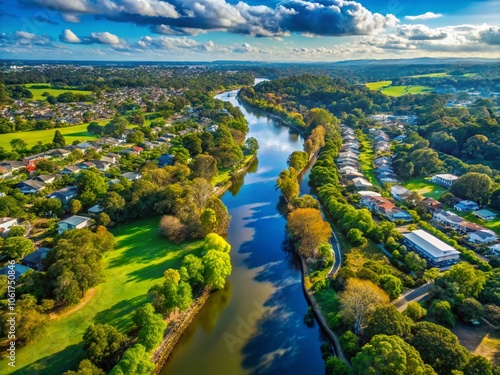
<point>480,340</point>
<point>404,90</point>
<point>425,187</point>
<point>71,133</point>
<point>378,85</point>
<point>366,161</point>
<point>37,93</point>
<point>140,258</point>
<point>430,75</point>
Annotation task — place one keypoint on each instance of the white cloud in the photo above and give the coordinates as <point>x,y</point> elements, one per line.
<point>70,18</point>
<point>69,36</point>
<point>423,17</point>
<point>105,38</point>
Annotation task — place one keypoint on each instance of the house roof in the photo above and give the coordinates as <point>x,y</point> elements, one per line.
<point>466,204</point>
<point>446,176</point>
<point>18,268</point>
<point>44,177</point>
<point>65,191</point>
<point>4,220</point>
<point>369,193</point>
<point>72,168</point>
<point>37,185</point>
<point>484,234</point>
<point>400,190</point>
<point>485,213</point>
<point>75,220</point>
<point>37,256</point>
<point>471,226</point>
<point>131,175</point>
<point>361,182</point>
<point>430,244</point>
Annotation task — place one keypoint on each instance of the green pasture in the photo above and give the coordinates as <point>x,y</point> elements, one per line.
<point>405,90</point>
<point>140,257</point>
<point>378,85</point>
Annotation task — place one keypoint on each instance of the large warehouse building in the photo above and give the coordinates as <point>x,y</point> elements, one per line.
<point>432,249</point>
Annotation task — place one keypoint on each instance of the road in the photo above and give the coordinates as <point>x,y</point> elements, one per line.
<point>414,295</point>
<point>337,262</point>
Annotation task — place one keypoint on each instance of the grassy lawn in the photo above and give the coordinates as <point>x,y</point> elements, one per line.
<point>140,258</point>
<point>480,340</point>
<point>494,225</point>
<point>378,85</point>
<point>425,187</point>
<point>405,90</point>
<point>366,160</point>
<point>430,75</point>
<point>224,175</point>
<point>37,93</point>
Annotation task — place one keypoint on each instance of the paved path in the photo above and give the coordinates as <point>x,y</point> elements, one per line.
<point>414,295</point>
<point>337,256</point>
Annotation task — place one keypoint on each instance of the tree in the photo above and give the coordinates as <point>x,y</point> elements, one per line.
<point>86,368</point>
<point>17,231</point>
<point>30,320</point>
<point>103,219</point>
<point>439,347</point>
<point>195,269</point>
<point>135,137</point>
<point>252,145</point>
<point>75,206</point>
<point>46,166</point>
<point>414,311</point>
<point>389,355</point>
<point>392,285</point>
<point>425,161</point>
<point>151,326</point>
<point>388,320</point>
<point>478,365</point>
<point>335,366</point>
<point>91,185</point>
<point>469,281</point>
<point>113,204</point>
<point>431,274</point>
<point>200,191</point>
<point>222,214</point>
<point>18,144</point>
<point>48,207</point>
<point>58,139</point>
<point>356,237</point>
<point>17,247</point>
<point>217,266</point>
<point>288,184</point>
<point>135,361</point>
<point>415,263</point>
<point>104,345</point>
<point>358,301</point>
<point>215,242</point>
<point>192,143</point>
<point>473,186</point>
<point>172,228</point>
<point>470,309</point>
<point>441,311</point>
<point>307,226</point>
<point>204,166</point>
<point>349,344</point>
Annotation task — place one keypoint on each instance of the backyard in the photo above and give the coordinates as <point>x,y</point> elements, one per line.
<point>140,257</point>
<point>425,187</point>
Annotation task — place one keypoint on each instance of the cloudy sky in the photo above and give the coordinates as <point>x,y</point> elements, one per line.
<point>268,30</point>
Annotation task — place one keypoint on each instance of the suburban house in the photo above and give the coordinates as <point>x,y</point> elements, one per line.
<point>361,183</point>
<point>59,153</point>
<point>486,215</point>
<point>65,194</point>
<point>19,270</point>
<point>73,222</point>
<point>30,186</point>
<point>495,249</point>
<point>95,209</point>
<point>483,236</point>
<point>35,259</point>
<point>45,178</point>
<point>86,165</point>
<point>432,204</point>
<point>352,175</point>
<point>6,223</point>
<point>132,176</point>
<point>444,179</point>
<point>466,205</point>
<point>400,193</point>
<point>454,221</point>
<point>432,249</point>
<point>109,159</point>
<point>385,207</point>
<point>165,159</point>
<point>7,167</point>
<point>347,169</point>
<point>70,169</point>
<point>369,193</point>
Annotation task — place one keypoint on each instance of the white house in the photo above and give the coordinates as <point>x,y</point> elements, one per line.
<point>444,179</point>
<point>482,236</point>
<point>6,223</point>
<point>73,222</point>
<point>399,193</point>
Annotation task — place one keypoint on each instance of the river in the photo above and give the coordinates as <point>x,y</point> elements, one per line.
<point>255,325</point>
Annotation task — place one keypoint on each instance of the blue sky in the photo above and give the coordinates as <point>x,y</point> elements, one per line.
<point>273,30</point>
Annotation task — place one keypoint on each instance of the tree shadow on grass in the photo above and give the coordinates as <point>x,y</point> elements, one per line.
<point>120,314</point>
<point>57,363</point>
<point>78,134</point>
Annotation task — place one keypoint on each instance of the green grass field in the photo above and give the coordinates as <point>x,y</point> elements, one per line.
<point>37,93</point>
<point>430,75</point>
<point>494,225</point>
<point>366,160</point>
<point>425,187</point>
<point>71,133</point>
<point>405,90</point>
<point>378,85</point>
<point>140,258</point>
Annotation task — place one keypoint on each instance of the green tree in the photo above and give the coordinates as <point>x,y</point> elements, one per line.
<point>470,309</point>
<point>308,227</point>
<point>48,207</point>
<point>252,145</point>
<point>46,166</point>
<point>473,186</point>
<point>135,361</point>
<point>415,311</point>
<point>415,263</point>
<point>392,285</point>
<point>389,355</point>
<point>151,326</point>
<point>17,247</point>
<point>478,365</point>
<point>113,203</point>
<point>349,343</point>
<point>104,345</point>
<point>356,237</point>
<point>31,322</point>
<point>213,241</point>
<point>135,137</point>
<point>288,184</point>
<point>439,347</point>
<point>91,185</point>
<point>75,206</point>
<point>470,281</point>
<point>195,269</point>
<point>103,219</point>
<point>204,166</point>
<point>86,368</point>
<point>192,143</point>
<point>388,320</point>
<point>58,139</point>
<point>18,144</point>
<point>335,366</point>
<point>217,266</point>
<point>441,311</point>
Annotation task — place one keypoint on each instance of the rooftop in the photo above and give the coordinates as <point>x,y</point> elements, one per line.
<point>430,244</point>
<point>75,220</point>
<point>446,176</point>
